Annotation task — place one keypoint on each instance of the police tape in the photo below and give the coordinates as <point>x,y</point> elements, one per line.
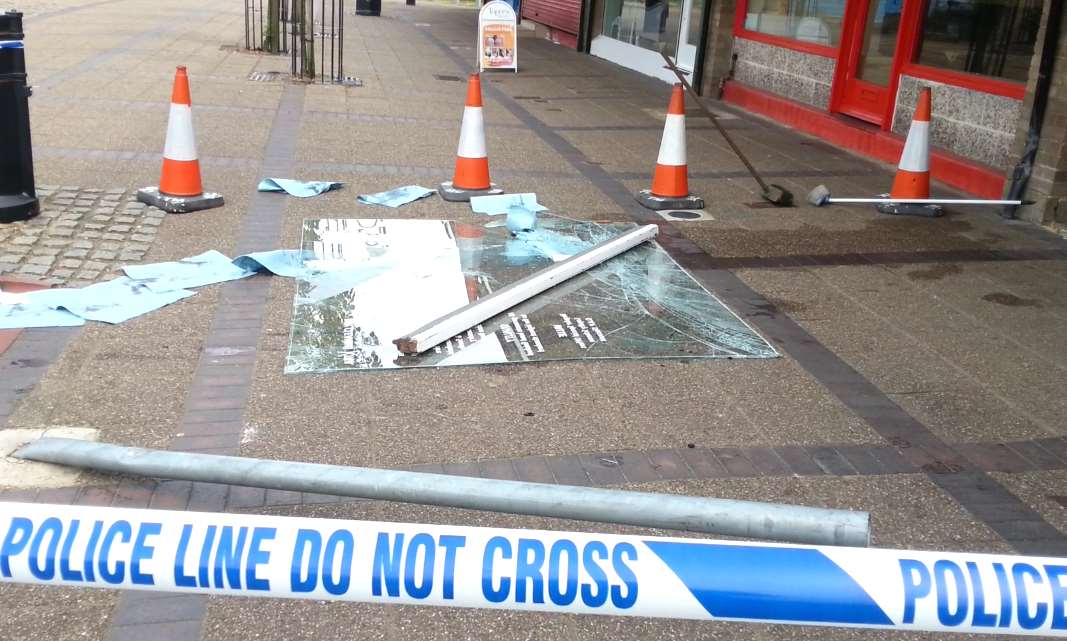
<point>531,570</point>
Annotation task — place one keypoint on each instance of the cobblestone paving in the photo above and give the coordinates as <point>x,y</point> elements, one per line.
<point>82,236</point>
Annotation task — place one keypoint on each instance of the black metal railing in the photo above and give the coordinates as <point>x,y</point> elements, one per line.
<point>322,21</point>
<point>266,25</point>
<point>310,31</point>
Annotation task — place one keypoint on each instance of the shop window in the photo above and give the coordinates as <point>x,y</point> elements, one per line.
<point>651,24</point>
<point>988,37</point>
<point>814,21</point>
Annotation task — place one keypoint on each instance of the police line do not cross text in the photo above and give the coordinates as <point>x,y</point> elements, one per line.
<point>531,570</point>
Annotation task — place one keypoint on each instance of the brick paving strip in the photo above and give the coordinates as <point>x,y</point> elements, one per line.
<point>945,465</point>
<point>214,409</point>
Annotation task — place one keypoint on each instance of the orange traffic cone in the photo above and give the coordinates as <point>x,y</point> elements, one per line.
<point>670,183</point>
<point>912,179</point>
<point>180,189</point>
<point>472,161</point>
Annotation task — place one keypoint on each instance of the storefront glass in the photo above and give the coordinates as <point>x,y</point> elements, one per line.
<point>650,24</point>
<point>879,42</point>
<point>987,37</point>
<point>814,21</point>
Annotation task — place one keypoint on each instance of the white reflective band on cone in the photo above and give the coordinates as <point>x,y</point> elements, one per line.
<point>528,570</point>
<point>472,134</point>
<point>181,143</point>
<point>672,146</point>
<point>916,156</point>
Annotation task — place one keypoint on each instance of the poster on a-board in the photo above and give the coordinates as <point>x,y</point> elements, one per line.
<point>498,37</point>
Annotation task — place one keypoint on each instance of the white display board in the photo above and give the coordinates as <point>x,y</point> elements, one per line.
<point>498,37</point>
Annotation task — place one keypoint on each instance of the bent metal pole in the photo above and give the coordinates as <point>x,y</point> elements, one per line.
<point>456,322</point>
<point>696,514</point>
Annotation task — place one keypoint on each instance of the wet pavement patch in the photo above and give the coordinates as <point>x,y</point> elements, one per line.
<point>935,272</point>
<point>1011,300</point>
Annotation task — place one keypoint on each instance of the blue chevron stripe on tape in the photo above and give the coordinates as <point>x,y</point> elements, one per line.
<point>780,584</point>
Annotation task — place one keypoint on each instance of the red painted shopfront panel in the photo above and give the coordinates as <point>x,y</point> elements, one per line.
<point>561,15</point>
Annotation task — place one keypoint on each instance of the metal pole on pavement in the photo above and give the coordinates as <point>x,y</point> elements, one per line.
<point>696,514</point>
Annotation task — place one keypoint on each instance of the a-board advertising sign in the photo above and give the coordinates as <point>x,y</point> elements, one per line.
<point>498,37</point>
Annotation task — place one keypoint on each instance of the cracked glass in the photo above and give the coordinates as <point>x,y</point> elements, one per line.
<point>370,281</point>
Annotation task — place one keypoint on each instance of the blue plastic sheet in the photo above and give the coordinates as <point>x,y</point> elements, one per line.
<point>520,219</point>
<point>19,311</point>
<point>500,204</point>
<point>396,197</point>
<point>298,188</point>
<point>280,262</point>
<point>207,268</point>
<point>114,301</point>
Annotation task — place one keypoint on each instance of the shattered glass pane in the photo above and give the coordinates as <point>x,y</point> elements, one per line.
<point>375,280</point>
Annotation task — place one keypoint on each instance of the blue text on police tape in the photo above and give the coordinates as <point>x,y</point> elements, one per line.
<point>228,557</point>
<point>479,567</point>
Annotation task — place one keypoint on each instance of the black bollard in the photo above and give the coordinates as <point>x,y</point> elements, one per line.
<point>18,195</point>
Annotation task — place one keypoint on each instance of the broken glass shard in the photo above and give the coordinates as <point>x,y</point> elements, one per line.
<point>405,273</point>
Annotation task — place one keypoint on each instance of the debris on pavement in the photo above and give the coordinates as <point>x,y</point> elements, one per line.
<point>146,288</point>
<point>520,219</point>
<point>500,204</point>
<point>114,301</point>
<point>640,304</point>
<point>19,311</point>
<point>543,243</point>
<point>460,320</point>
<point>298,188</point>
<point>396,197</point>
<point>207,268</point>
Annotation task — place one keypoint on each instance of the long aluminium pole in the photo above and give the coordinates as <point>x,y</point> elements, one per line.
<point>749,519</point>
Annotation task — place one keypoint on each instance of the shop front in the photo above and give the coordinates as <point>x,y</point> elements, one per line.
<point>864,62</point>
<point>557,20</point>
<point>633,33</point>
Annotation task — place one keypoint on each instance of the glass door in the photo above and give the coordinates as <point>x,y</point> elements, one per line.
<point>689,34</point>
<point>636,32</point>
<point>866,59</point>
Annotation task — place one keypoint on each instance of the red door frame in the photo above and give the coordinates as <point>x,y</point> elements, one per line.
<point>907,48</point>
<point>852,35</point>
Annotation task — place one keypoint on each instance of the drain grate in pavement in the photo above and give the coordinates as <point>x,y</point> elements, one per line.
<point>446,78</point>
<point>265,76</point>
<point>81,236</point>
